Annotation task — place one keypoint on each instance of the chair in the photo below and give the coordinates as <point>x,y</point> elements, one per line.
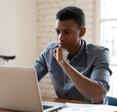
<point>7,58</point>
<point>4,58</point>
<point>112,100</point>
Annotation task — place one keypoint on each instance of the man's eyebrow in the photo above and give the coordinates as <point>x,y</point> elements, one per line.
<point>64,29</point>
<point>67,29</point>
<point>56,28</point>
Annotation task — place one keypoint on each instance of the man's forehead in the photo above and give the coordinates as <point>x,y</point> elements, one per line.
<point>66,24</point>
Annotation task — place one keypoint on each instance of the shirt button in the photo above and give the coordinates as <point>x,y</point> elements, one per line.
<point>66,81</point>
<point>50,71</point>
<point>66,94</point>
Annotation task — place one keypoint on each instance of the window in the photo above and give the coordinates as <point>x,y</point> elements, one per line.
<point>108,26</point>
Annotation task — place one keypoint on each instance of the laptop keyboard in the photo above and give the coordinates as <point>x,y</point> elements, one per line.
<point>46,107</point>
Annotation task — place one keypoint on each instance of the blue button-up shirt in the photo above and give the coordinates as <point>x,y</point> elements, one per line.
<point>91,60</point>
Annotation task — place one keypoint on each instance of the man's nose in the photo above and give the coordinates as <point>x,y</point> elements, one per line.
<point>61,37</point>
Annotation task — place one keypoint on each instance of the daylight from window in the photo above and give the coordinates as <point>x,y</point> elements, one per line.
<point>108,25</point>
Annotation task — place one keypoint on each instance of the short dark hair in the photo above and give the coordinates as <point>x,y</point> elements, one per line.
<point>72,12</point>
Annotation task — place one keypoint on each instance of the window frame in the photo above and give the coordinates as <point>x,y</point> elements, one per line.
<point>113,66</point>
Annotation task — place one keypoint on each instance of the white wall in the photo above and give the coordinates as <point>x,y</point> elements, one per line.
<point>18,31</point>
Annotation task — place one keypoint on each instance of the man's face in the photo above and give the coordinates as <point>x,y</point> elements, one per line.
<point>68,34</point>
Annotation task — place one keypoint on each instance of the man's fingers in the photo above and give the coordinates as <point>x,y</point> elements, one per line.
<point>55,52</point>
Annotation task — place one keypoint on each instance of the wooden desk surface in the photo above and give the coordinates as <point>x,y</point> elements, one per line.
<point>60,100</point>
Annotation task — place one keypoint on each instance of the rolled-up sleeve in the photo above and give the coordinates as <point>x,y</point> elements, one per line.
<point>101,71</point>
<point>41,66</point>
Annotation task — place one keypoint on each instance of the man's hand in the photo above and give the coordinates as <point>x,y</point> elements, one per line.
<point>60,54</point>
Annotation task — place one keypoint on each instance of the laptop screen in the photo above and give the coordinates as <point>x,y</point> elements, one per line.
<point>19,89</point>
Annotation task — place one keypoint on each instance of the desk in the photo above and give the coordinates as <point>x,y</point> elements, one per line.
<point>60,100</point>
<point>78,106</point>
<point>81,106</point>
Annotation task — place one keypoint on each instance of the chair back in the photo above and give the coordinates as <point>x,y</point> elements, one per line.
<point>112,100</point>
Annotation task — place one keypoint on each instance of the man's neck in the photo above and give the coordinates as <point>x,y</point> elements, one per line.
<point>75,50</point>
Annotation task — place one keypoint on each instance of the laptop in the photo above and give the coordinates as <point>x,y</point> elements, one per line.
<point>19,90</point>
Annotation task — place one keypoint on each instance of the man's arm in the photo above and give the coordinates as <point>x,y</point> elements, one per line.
<point>91,89</point>
<point>40,66</point>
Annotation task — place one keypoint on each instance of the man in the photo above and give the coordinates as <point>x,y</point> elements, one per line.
<point>78,70</point>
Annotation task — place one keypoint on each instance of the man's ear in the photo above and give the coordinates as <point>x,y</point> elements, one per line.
<point>82,31</point>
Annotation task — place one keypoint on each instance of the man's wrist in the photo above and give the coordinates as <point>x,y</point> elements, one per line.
<point>62,62</point>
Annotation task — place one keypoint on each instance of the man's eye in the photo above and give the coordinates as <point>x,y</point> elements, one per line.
<point>66,32</point>
<point>58,32</point>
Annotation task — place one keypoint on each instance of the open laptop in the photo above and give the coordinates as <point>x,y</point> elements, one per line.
<point>19,90</point>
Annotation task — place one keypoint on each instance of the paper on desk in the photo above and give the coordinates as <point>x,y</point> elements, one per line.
<point>70,107</point>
